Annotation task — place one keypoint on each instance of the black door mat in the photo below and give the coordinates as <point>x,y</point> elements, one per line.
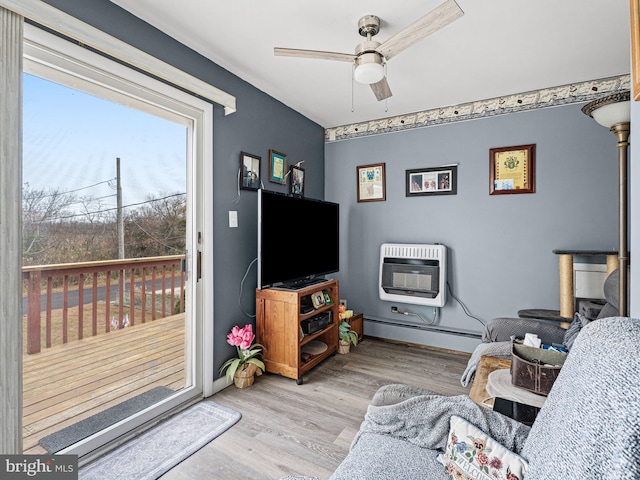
<point>87,427</point>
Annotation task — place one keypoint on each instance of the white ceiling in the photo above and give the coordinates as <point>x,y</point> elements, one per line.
<point>499,47</point>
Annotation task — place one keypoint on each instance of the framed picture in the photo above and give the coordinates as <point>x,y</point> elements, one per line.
<point>327,297</point>
<point>432,181</point>
<point>277,167</point>
<point>317,298</point>
<point>250,171</point>
<point>296,181</point>
<point>512,170</point>
<point>371,183</point>
<point>635,48</point>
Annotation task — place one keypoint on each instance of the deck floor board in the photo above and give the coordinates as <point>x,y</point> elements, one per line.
<point>68,383</point>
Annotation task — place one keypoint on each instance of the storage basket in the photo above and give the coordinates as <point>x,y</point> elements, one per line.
<point>535,369</point>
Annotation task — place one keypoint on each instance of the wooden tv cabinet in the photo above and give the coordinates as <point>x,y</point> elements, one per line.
<point>278,328</point>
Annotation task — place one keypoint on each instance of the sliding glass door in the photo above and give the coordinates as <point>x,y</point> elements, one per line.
<point>112,222</point>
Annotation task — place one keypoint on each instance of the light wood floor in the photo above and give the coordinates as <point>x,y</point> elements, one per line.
<point>67,383</point>
<point>289,429</point>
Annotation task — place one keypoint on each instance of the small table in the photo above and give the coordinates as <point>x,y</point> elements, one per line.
<point>486,365</point>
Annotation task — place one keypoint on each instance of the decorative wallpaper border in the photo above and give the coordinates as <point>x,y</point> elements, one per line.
<point>548,97</point>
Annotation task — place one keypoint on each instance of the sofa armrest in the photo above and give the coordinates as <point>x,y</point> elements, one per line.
<point>502,329</point>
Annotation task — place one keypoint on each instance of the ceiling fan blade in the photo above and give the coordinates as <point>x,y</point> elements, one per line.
<point>381,89</point>
<point>433,21</point>
<point>315,54</point>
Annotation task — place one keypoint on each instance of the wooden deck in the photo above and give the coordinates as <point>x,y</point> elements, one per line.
<point>70,382</point>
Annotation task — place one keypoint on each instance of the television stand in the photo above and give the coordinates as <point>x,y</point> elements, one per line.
<point>279,328</point>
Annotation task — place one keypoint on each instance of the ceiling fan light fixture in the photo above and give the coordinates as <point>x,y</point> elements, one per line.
<point>369,69</point>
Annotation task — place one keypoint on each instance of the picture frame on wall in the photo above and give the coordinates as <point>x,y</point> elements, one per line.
<point>432,181</point>
<point>296,180</point>
<point>371,183</point>
<point>277,167</point>
<point>249,171</point>
<point>512,170</point>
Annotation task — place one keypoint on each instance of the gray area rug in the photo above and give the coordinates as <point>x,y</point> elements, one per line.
<point>154,452</point>
<point>74,433</point>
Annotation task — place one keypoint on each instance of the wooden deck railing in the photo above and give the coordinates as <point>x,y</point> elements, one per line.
<point>155,290</point>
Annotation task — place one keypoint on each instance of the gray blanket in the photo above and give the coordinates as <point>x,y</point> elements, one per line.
<point>424,422</point>
<point>401,440</point>
<point>494,349</point>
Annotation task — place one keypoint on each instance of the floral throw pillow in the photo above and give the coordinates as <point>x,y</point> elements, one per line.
<point>473,455</point>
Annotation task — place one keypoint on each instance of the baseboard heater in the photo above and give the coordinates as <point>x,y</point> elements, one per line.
<point>413,273</point>
<point>416,326</point>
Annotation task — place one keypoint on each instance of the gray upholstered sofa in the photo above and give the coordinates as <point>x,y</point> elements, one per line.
<point>588,428</point>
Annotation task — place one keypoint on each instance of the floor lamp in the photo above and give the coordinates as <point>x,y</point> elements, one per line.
<point>614,112</point>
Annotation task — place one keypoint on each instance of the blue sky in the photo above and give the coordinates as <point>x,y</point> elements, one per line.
<point>72,139</point>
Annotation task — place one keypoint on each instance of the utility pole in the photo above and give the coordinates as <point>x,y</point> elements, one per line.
<point>120,217</point>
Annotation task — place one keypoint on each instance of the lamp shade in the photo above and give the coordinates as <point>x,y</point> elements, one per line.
<point>369,69</point>
<point>610,110</point>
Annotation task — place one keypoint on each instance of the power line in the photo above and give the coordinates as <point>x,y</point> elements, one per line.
<point>154,238</point>
<point>77,189</point>
<point>115,208</point>
<point>89,199</point>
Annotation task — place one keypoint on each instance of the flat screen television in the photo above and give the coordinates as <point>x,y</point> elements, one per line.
<point>298,240</point>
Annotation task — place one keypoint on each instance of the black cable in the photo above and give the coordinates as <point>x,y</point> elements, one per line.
<point>464,307</point>
<point>242,286</point>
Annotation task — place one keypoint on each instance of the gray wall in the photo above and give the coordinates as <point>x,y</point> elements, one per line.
<point>259,124</point>
<point>500,247</point>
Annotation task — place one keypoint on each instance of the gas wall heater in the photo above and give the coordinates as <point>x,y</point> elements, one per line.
<point>413,273</point>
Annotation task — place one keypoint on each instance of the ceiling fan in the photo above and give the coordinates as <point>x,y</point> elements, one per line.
<point>370,56</point>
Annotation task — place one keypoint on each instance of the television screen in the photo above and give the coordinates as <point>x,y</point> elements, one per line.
<point>298,239</point>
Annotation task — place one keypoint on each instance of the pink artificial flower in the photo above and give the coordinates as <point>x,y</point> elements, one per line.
<point>482,459</point>
<point>247,337</point>
<point>241,337</point>
<point>233,338</point>
<point>496,463</point>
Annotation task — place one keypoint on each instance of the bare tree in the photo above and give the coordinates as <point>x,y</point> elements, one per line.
<point>158,227</point>
<point>64,228</point>
<point>42,210</point>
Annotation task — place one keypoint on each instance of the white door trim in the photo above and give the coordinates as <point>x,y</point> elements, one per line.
<point>67,25</point>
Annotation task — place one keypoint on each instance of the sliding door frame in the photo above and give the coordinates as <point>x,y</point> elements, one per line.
<point>201,178</point>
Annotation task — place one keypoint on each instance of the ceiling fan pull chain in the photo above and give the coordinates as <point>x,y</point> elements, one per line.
<point>386,98</point>
<point>353,69</point>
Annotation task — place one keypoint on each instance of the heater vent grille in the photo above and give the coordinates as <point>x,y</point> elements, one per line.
<point>413,273</point>
<point>425,252</point>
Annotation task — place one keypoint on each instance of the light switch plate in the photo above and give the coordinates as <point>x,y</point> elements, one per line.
<point>233,219</point>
